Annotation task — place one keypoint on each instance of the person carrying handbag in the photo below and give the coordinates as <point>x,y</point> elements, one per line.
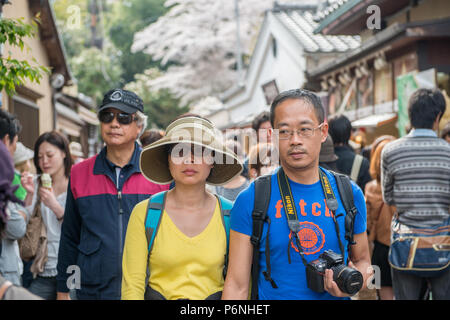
<point>415,177</point>
<point>46,202</point>
<point>28,245</point>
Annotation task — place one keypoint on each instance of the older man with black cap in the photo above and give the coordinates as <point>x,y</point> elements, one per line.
<point>101,195</point>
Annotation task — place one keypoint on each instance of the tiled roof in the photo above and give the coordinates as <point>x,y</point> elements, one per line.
<point>301,23</point>
<point>329,10</point>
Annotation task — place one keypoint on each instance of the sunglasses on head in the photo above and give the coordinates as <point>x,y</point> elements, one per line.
<point>122,118</point>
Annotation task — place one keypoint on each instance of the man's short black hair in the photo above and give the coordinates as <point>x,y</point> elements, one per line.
<point>339,128</point>
<point>424,107</point>
<point>9,124</point>
<point>260,119</point>
<point>300,94</point>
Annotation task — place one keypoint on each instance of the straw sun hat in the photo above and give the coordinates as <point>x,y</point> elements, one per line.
<point>190,130</point>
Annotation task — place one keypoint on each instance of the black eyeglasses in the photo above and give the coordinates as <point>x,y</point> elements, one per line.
<point>286,134</point>
<point>122,118</point>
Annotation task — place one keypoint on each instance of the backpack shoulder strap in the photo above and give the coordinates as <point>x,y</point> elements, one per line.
<point>346,192</point>
<point>356,167</point>
<point>155,208</point>
<point>261,204</point>
<point>225,208</point>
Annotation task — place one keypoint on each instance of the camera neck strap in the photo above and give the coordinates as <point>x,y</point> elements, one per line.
<point>291,211</point>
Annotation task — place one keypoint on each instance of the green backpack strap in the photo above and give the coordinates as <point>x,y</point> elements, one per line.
<point>225,208</point>
<point>155,208</point>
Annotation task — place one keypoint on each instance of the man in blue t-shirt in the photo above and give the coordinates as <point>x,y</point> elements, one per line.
<point>297,117</point>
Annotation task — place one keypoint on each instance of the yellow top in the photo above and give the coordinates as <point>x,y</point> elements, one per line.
<point>181,267</point>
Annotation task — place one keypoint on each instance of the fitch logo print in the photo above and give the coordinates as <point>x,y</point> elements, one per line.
<point>311,238</point>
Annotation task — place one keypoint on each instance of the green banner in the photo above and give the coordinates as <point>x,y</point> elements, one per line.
<point>406,85</point>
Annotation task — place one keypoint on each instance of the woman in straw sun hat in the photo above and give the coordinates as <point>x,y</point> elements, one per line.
<point>176,242</point>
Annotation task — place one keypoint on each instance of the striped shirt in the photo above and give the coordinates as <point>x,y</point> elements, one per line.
<point>415,177</point>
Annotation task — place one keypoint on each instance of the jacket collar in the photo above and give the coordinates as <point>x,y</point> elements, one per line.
<point>104,166</point>
<point>419,132</point>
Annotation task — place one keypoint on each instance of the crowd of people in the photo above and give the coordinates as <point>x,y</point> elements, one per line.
<point>187,213</point>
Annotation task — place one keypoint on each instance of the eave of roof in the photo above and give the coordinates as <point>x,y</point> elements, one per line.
<point>336,10</point>
<point>398,32</point>
<point>51,39</point>
<point>301,24</point>
<point>350,16</point>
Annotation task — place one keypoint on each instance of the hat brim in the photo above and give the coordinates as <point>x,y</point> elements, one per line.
<point>120,106</point>
<point>154,163</point>
<point>27,155</point>
<point>22,154</point>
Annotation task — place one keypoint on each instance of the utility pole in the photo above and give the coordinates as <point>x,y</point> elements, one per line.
<point>238,42</point>
<point>96,40</point>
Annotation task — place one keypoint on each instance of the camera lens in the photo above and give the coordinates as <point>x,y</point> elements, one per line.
<point>349,280</point>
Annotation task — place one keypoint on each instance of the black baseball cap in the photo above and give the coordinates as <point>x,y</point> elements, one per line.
<point>123,100</point>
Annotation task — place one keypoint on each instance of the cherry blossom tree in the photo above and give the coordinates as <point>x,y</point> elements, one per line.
<point>197,40</point>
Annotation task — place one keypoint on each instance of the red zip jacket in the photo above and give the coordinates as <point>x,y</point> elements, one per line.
<point>95,223</point>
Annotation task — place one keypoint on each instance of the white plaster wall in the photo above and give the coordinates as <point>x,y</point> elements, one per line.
<point>287,68</point>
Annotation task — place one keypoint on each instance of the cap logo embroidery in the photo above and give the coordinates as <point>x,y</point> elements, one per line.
<point>116,96</point>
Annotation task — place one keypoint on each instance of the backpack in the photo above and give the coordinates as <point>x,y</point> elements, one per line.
<point>155,208</point>
<point>259,217</point>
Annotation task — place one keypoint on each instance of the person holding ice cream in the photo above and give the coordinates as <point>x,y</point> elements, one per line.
<point>46,194</point>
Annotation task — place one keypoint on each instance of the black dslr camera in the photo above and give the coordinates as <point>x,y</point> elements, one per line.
<point>349,280</point>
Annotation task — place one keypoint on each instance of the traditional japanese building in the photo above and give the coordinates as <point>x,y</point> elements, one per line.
<point>404,45</point>
<point>54,103</point>
<point>286,48</point>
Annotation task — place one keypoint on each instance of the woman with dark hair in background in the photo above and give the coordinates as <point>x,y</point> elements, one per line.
<point>46,195</point>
